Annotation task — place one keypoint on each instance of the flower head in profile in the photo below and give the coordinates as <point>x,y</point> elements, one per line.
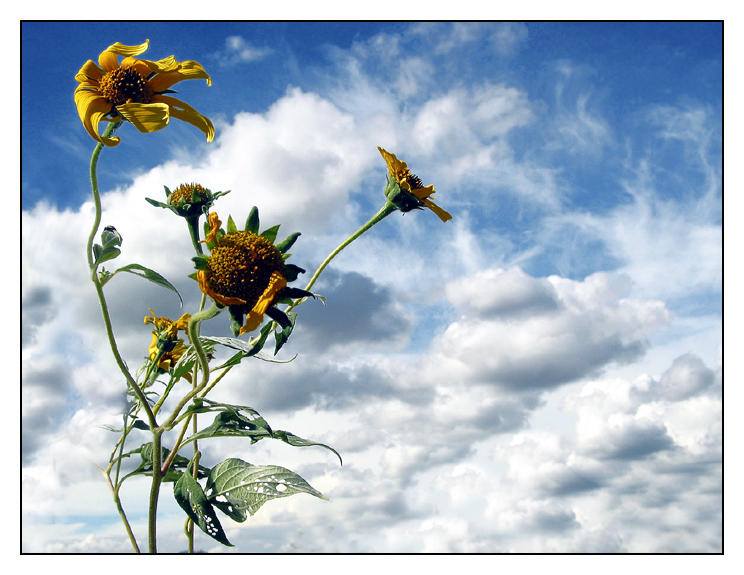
<point>247,273</point>
<point>406,190</point>
<point>165,340</point>
<point>135,90</point>
<point>188,200</point>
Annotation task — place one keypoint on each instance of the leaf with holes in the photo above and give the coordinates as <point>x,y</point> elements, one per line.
<point>191,498</point>
<point>237,488</point>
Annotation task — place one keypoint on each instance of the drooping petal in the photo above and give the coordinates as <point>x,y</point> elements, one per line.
<point>188,70</point>
<point>214,227</point>
<point>91,108</point>
<point>146,117</point>
<point>253,319</point>
<point>186,113</point>
<point>201,277</point>
<point>441,214</point>
<point>89,70</point>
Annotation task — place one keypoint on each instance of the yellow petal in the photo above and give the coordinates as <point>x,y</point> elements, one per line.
<point>146,117</point>
<point>442,214</point>
<point>253,319</point>
<point>186,113</point>
<point>395,167</point>
<point>201,277</point>
<point>89,71</point>
<point>123,50</point>
<point>140,66</point>
<point>91,107</point>
<point>165,65</point>
<point>214,226</point>
<point>108,59</point>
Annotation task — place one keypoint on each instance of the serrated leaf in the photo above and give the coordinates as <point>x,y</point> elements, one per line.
<point>191,498</point>
<point>149,275</point>
<point>238,488</point>
<point>270,234</point>
<point>252,223</point>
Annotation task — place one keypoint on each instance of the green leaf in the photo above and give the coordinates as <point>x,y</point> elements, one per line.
<point>295,441</point>
<point>246,347</point>
<point>200,262</point>
<point>231,423</point>
<point>238,488</point>
<point>149,275</point>
<point>270,234</point>
<point>287,242</point>
<point>283,336</point>
<point>231,227</point>
<point>194,502</point>
<point>157,204</point>
<point>110,239</point>
<point>252,223</point>
<point>292,272</point>
<point>139,424</point>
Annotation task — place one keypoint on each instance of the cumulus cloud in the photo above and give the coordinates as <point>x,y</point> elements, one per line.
<point>575,328</point>
<point>479,405</point>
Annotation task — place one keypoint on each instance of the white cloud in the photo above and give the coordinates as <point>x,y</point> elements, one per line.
<point>570,328</point>
<point>238,50</point>
<point>445,441</point>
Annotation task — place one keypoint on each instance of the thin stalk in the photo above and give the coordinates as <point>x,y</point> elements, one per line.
<point>384,212</point>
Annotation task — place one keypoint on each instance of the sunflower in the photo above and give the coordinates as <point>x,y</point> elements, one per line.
<point>134,90</point>
<point>165,341</point>
<point>247,273</point>
<point>410,192</point>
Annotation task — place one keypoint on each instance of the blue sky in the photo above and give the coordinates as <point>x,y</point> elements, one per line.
<point>540,374</point>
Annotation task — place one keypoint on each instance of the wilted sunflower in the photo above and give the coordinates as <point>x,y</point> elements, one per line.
<point>165,339</point>
<point>247,273</point>
<point>410,192</point>
<point>134,90</point>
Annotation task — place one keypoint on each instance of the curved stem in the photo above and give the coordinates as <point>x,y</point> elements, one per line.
<point>386,210</point>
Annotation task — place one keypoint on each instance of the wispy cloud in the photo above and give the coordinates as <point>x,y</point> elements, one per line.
<point>238,51</point>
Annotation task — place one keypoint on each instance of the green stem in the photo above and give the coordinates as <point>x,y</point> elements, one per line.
<point>193,225</point>
<point>117,501</point>
<point>157,480</point>
<point>384,212</point>
<point>193,330</point>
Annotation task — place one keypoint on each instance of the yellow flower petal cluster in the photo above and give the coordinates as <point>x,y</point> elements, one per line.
<point>165,339</point>
<point>135,90</point>
<point>399,171</point>
<point>245,272</point>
